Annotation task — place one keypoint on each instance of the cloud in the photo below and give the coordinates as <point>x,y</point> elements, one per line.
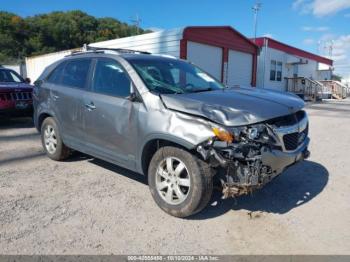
<point>268,35</point>
<point>298,3</point>
<point>315,29</point>
<point>308,41</point>
<point>340,52</point>
<point>155,29</point>
<point>320,8</point>
<point>303,6</point>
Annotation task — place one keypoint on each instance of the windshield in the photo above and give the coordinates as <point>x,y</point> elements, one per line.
<point>171,76</point>
<point>9,76</point>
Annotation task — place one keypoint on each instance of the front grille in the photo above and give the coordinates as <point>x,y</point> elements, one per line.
<point>293,140</point>
<point>16,96</point>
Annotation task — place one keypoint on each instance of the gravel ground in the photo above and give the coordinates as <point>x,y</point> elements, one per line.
<point>87,206</point>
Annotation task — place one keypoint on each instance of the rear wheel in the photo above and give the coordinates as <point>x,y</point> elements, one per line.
<point>52,141</point>
<point>180,183</point>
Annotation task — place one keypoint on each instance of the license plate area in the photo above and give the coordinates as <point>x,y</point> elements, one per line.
<point>21,105</point>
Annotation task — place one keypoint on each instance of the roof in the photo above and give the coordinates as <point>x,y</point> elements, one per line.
<point>292,50</point>
<point>227,27</point>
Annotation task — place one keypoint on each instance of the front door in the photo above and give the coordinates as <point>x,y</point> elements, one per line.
<point>110,117</point>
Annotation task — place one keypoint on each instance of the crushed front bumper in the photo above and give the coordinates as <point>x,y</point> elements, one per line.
<point>242,176</point>
<point>279,160</point>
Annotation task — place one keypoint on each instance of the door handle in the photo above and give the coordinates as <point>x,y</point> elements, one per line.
<point>90,106</point>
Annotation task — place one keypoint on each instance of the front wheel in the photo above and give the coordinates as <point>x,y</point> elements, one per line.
<point>180,183</point>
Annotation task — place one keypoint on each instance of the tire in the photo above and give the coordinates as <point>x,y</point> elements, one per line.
<point>195,181</point>
<point>58,151</point>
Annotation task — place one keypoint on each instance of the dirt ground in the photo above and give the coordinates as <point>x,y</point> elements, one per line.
<point>87,206</point>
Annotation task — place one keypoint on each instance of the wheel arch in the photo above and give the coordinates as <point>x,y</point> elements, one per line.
<point>41,119</point>
<point>154,143</point>
<point>41,116</point>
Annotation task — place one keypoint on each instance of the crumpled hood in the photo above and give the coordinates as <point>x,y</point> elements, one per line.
<point>235,106</point>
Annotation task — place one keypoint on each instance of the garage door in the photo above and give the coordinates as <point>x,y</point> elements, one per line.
<point>239,71</point>
<point>207,57</point>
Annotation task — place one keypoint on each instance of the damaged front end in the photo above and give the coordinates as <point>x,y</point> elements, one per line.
<point>253,155</point>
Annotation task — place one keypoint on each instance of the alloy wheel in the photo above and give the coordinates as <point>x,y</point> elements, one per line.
<point>173,181</point>
<point>50,139</point>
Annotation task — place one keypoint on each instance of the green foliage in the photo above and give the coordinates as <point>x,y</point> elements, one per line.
<point>336,77</point>
<point>20,37</point>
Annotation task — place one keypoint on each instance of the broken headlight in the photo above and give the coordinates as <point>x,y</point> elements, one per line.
<point>253,133</point>
<point>259,133</point>
<point>223,135</point>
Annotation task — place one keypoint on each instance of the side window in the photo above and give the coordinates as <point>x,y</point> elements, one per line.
<point>56,75</point>
<point>175,72</point>
<point>273,70</point>
<point>75,73</point>
<point>279,71</point>
<point>111,79</point>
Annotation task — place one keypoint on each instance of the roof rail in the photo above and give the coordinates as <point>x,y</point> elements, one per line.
<point>91,49</point>
<point>119,50</point>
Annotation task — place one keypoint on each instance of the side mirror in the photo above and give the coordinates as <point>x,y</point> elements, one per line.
<point>38,83</point>
<point>133,97</point>
<point>27,80</point>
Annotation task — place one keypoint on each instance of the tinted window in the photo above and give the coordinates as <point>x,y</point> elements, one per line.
<point>111,79</point>
<point>273,70</point>
<point>56,75</point>
<point>279,71</point>
<point>75,73</point>
<point>10,76</point>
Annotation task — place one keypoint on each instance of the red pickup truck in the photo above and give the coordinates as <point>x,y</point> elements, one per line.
<point>15,94</point>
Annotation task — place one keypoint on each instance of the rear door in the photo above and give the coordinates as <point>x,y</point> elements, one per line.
<point>110,117</point>
<point>68,83</point>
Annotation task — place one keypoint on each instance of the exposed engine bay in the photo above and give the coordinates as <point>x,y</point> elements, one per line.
<point>251,156</point>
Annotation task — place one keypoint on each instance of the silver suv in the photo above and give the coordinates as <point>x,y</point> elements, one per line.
<point>170,121</point>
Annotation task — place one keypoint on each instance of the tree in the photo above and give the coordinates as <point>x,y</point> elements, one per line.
<point>336,77</point>
<point>39,34</point>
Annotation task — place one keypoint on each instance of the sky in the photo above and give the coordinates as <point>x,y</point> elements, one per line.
<point>313,25</point>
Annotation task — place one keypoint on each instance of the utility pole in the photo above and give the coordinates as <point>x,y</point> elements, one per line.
<point>256,9</point>
<point>331,46</point>
<point>136,21</point>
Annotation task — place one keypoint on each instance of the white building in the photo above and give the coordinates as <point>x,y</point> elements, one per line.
<point>278,61</point>
<point>220,50</point>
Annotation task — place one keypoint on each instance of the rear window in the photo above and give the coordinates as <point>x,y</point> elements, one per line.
<point>75,73</point>
<point>71,73</point>
<point>56,75</point>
